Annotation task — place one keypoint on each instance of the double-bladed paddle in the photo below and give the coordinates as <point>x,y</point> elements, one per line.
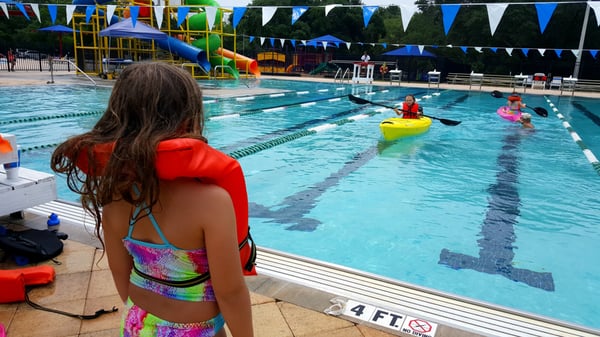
<point>359,100</point>
<point>538,110</point>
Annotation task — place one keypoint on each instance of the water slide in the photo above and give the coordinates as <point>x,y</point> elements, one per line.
<point>191,51</point>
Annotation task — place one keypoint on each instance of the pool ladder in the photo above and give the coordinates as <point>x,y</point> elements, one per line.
<point>339,77</point>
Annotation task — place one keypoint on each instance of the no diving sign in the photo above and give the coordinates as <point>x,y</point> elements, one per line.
<point>418,327</point>
<point>390,319</point>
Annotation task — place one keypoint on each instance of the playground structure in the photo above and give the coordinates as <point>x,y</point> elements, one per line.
<point>190,41</point>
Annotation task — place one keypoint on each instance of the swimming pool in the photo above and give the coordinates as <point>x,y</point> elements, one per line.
<point>484,209</point>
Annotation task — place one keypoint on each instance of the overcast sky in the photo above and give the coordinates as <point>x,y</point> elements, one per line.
<point>242,3</point>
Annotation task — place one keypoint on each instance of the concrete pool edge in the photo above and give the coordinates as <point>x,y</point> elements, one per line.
<point>313,284</point>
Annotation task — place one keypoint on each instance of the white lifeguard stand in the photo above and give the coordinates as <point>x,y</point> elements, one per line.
<point>363,72</point>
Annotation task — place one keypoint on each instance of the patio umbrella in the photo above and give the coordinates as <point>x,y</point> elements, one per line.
<point>414,51</point>
<point>60,29</point>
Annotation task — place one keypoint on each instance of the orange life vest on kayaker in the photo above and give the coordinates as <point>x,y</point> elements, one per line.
<point>410,112</point>
<point>193,158</point>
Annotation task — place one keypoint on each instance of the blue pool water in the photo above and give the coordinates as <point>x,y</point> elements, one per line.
<point>484,210</point>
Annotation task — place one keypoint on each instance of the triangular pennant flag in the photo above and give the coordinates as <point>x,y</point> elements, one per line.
<point>448,15</point>
<point>407,12</point>
<point>159,12</point>
<point>36,11</point>
<point>494,49</point>
<point>134,11</point>
<point>558,52</point>
<point>421,47</point>
<point>70,10</point>
<point>495,13</point>
<point>53,10</point>
<point>575,52</point>
<point>324,43</point>
<point>408,48</point>
<point>282,41</point>
<point>297,12</point>
<point>272,40</point>
<point>22,9</point>
<point>478,49</point>
<point>368,13</point>
<point>293,43</point>
<point>542,51</point>
<point>384,45</point>
<point>238,13</point>
<point>544,11</point>
<point>509,51</point>
<point>110,11</point>
<point>348,44</point>
<point>89,11</point>
<point>250,39</point>
<point>328,8</point>
<point>525,51</point>
<point>211,14</point>
<point>594,52</point>
<point>262,40</point>
<point>464,49</point>
<point>303,42</point>
<point>595,5</point>
<point>182,13</point>
<point>267,14</point>
<point>4,9</point>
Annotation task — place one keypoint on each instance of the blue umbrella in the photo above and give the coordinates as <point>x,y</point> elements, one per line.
<point>60,29</point>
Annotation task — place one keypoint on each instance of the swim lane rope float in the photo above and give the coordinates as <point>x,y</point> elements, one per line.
<point>586,151</point>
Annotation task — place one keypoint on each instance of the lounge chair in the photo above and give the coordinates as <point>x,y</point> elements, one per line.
<point>556,82</point>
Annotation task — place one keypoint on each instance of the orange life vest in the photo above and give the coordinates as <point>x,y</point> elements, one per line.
<point>410,112</point>
<point>193,158</point>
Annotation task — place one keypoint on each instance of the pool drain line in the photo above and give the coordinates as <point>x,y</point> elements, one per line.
<point>589,155</point>
<point>40,118</point>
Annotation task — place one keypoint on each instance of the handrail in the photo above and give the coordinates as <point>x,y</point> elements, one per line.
<point>335,78</point>
<point>51,60</point>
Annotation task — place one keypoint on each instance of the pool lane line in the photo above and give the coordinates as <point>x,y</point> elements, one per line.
<point>281,107</point>
<point>41,118</point>
<point>275,95</point>
<point>589,155</point>
<point>496,245</point>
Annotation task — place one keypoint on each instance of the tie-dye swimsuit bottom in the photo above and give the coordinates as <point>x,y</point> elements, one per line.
<point>137,322</point>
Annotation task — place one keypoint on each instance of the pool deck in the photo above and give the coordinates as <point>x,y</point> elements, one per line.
<point>290,294</point>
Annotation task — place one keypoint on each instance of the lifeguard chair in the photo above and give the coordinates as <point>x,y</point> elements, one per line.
<point>363,72</point>
<point>539,80</point>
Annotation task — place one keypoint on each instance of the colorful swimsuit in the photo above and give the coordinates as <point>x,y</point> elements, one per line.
<point>171,272</point>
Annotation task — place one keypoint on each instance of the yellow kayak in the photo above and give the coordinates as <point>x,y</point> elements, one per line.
<point>396,127</point>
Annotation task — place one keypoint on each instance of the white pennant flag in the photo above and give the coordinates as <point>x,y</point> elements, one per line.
<point>596,7</point>
<point>495,13</point>
<point>4,9</point>
<point>542,51</point>
<point>478,49</point>
<point>110,11</point>
<point>324,43</point>
<point>267,14</point>
<point>421,47</point>
<point>303,42</point>
<point>407,13</point>
<point>36,10</point>
<point>262,41</point>
<point>282,41</point>
<point>70,10</point>
<point>159,13</point>
<point>509,51</point>
<point>328,8</point>
<point>211,13</point>
<point>575,52</point>
<point>348,45</point>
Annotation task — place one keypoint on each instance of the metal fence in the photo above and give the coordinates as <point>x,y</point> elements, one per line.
<point>38,62</point>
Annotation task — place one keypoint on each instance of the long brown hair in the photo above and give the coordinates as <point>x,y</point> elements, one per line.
<point>150,102</point>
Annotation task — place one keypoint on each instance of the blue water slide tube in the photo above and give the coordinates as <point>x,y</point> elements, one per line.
<point>171,44</point>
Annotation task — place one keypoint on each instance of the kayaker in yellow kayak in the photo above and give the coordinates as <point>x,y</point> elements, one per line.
<point>410,108</point>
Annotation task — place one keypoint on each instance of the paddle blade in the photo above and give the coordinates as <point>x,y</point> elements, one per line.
<point>497,94</point>
<point>449,122</point>
<point>541,111</point>
<point>358,100</point>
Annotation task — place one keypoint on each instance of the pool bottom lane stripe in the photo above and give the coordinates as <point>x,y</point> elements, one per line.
<point>497,232</point>
<point>589,155</point>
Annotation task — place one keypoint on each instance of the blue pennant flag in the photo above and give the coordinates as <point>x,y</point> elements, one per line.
<point>448,15</point>
<point>544,11</point>
<point>238,13</point>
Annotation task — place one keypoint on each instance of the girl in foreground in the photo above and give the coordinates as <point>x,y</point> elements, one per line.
<point>162,236</point>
